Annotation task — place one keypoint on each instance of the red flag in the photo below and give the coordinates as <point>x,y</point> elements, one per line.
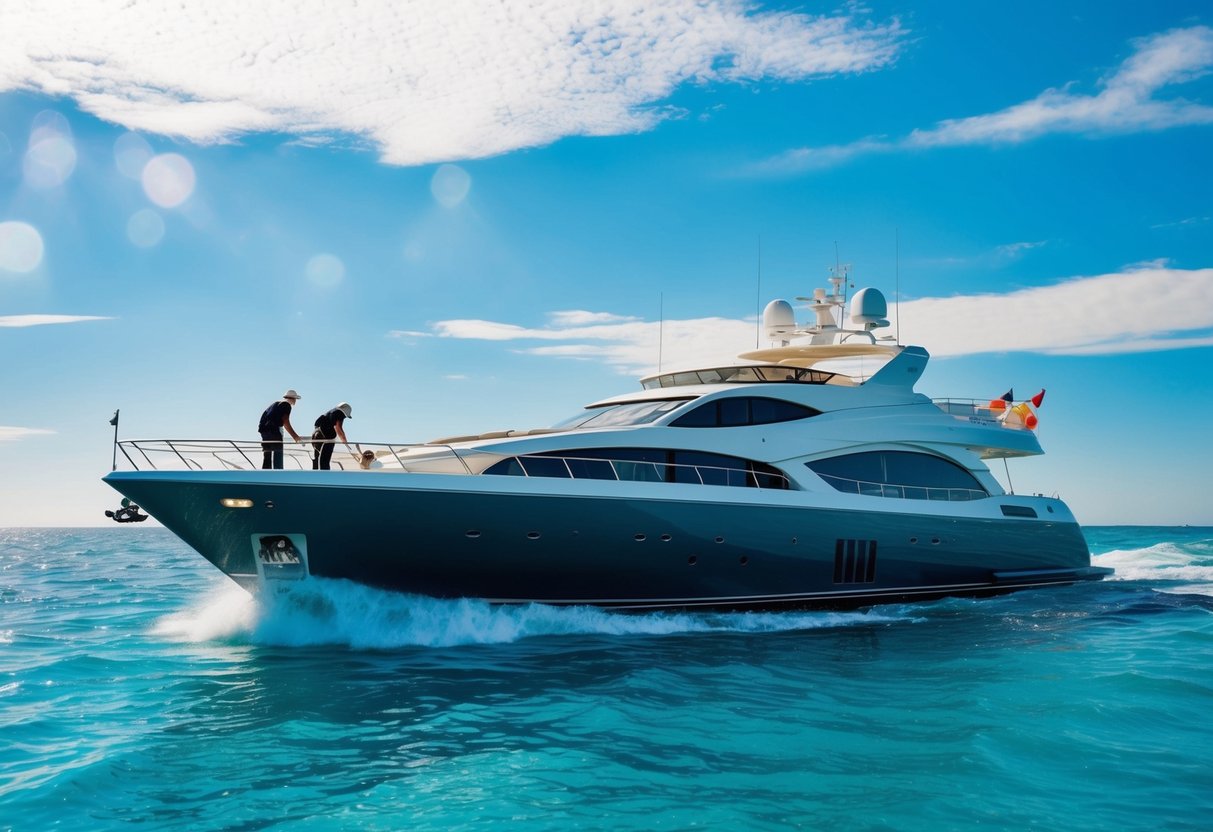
<point>1038,398</point>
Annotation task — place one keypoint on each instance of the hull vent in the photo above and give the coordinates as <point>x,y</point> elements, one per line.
<point>854,561</point>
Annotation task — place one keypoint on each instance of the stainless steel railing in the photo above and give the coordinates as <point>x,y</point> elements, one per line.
<point>907,492</point>
<point>597,468</point>
<point>246,455</point>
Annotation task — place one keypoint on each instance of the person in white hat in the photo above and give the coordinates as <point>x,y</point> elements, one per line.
<point>330,426</point>
<point>276,417</point>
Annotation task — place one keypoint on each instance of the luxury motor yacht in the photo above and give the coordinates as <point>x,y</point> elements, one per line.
<point>806,474</point>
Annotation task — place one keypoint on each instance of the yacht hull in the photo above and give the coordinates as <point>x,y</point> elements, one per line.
<point>657,546</point>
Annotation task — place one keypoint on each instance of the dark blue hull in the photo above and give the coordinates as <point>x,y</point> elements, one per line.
<point>673,547</point>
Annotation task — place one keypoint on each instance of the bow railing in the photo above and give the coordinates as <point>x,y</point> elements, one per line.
<point>247,455</point>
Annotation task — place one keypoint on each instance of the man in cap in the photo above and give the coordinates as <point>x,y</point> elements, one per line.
<point>276,417</point>
<point>329,426</point>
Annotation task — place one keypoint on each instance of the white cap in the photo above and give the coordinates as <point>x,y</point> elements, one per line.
<point>291,394</point>
<point>345,408</point>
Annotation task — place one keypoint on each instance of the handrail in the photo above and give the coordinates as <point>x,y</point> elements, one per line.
<point>240,454</point>
<point>730,474</point>
<point>899,490</point>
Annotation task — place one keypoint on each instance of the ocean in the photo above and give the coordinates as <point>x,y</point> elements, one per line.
<point>139,688</point>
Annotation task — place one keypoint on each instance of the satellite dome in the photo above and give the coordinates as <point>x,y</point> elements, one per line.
<point>869,309</point>
<point>778,319</point>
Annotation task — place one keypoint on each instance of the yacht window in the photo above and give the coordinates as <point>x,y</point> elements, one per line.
<point>544,466</point>
<point>900,474</point>
<point>740,374</point>
<point>617,415</point>
<point>735,411</point>
<point>645,465</point>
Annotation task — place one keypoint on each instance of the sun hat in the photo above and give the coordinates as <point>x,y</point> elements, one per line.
<point>345,408</point>
<point>291,394</point>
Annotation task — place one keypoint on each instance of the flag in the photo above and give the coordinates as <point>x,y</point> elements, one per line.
<point>1038,398</point>
<point>1009,396</point>
<point>114,421</point>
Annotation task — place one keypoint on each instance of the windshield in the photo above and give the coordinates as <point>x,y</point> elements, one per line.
<point>616,415</point>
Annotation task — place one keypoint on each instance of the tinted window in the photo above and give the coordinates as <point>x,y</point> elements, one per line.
<point>644,465</point>
<point>915,476</point>
<point>866,467</point>
<point>703,416</point>
<point>742,410</point>
<point>926,470</point>
<point>632,413</point>
<point>544,466</point>
<point>766,411</point>
<point>733,412</point>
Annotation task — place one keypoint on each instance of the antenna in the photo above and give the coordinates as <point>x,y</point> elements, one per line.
<point>660,326</point>
<point>897,280</point>
<point>758,298</point>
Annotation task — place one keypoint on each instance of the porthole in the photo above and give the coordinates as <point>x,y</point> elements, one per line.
<point>532,535</point>
<point>640,538</point>
<point>934,541</point>
<point>269,503</point>
<point>913,540</point>
<point>472,533</point>
<point>745,561</point>
<point>720,540</point>
<point>692,560</point>
<point>665,538</point>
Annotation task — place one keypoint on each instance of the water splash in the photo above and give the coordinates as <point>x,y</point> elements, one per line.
<point>1185,566</point>
<point>327,612</point>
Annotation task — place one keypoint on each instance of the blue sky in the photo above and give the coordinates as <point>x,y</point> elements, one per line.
<point>463,217</point>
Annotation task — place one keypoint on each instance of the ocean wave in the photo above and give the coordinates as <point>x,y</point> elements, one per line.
<point>1186,566</point>
<point>319,611</point>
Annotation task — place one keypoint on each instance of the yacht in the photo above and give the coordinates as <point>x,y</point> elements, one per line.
<point>807,474</point>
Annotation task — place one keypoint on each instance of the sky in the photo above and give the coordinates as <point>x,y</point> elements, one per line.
<point>462,216</point>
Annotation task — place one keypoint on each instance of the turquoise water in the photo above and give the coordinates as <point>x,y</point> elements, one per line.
<point>139,687</point>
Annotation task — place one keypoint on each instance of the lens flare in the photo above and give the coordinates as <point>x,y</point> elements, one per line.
<point>168,179</point>
<point>450,185</point>
<point>325,270</point>
<point>145,228</point>
<point>131,155</point>
<point>51,155</point>
<point>20,246</point>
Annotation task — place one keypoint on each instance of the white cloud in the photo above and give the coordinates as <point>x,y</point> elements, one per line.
<point>41,320</point>
<point>1188,222</point>
<point>1144,308</point>
<point>10,434</point>
<point>578,317</point>
<point>628,344</point>
<point>1126,103</point>
<point>1013,251</point>
<point>427,81</point>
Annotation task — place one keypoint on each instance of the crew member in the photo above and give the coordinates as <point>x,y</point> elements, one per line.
<point>329,426</point>
<point>276,417</point>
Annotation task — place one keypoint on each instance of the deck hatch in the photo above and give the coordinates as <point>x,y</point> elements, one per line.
<point>854,561</point>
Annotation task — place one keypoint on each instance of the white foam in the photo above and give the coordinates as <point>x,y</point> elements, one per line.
<point>319,611</point>
<point>223,614</point>
<point>1162,562</point>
